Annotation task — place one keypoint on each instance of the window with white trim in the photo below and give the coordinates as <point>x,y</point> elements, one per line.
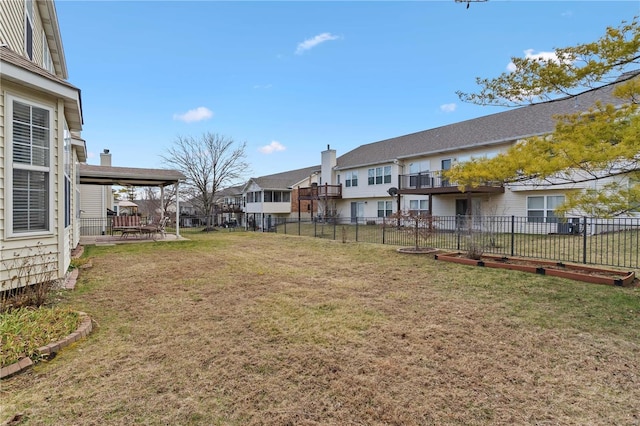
<point>67,176</point>
<point>386,175</point>
<point>28,28</point>
<point>542,208</point>
<point>29,166</point>
<point>418,207</point>
<point>254,197</point>
<point>379,175</point>
<point>351,179</point>
<point>385,208</point>
<point>47,62</point>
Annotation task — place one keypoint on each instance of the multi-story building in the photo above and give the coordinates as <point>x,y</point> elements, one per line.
<point>40,146</point>
<point>406,173</point>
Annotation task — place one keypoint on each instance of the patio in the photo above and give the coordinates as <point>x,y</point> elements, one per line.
<point>109,240</point>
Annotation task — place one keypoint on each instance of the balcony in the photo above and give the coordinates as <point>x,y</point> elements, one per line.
<point>432,183</point>
<point>229,208</point>
<point>317,192</point>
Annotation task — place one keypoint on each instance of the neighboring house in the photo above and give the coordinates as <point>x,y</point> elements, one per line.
<point>40,146</point>
<point>228,208</point>
<point>405,173</point>
<point>413,165</point>
<point>270,198</point>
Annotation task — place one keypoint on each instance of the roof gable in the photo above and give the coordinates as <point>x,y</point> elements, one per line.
<point>284,180</point>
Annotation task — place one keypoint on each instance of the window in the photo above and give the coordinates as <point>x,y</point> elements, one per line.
<point>28,29</point>
<point>254,197</point>
<point>30,152</point>
<point>47,62</point>
<point>277,197</point>
<point>542,208</point>
<point>67,176</point>
<point>351,179</point>
<point>418,207</point>
<point>379,175</point>
<point>385,208</point>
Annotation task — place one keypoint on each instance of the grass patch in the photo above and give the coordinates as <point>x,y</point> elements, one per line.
<point>241,328</point>
<point>24,330</point>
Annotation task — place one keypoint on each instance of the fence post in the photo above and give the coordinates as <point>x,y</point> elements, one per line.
<point>285,226</point>
<point>315,229</point>
<point>383,230</point>
<point>356,229</point>
<point>584,240</point>
<point>513,234</point>
<point>299,225</point>
<point>334,229</point>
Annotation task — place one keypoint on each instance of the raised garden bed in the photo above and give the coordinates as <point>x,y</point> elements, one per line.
<point>559,269</point>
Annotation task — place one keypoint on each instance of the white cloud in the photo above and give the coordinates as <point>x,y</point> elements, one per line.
<point>310,43</point>
<point>198,114</point>
<point>528,54</point>
<point>263,86</point>
<point>448,107</point>
<point>274,146</point>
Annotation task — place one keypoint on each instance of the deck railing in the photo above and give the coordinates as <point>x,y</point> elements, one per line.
<point>320,191</point>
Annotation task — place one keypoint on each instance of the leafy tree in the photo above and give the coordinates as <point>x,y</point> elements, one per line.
<point>600,143</point>
<point>209,163</point>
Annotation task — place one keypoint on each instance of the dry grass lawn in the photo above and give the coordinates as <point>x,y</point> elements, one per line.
<point>235,328</point>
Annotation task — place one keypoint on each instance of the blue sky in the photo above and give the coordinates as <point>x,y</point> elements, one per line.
<point>289,78</point>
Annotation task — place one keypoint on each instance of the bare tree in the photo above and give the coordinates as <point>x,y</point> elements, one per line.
<point>152,195</point>
<point>209,163</point>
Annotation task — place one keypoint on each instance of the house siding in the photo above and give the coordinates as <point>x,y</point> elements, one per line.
<point>2,169</point>
<point>91,203</point>
<point>12,28</point>
<point>51,248</point>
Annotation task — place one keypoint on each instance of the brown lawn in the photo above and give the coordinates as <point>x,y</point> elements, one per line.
<point>236,328</point>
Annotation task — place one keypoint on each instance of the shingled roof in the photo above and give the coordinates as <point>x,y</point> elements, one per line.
<point>8,55</point>
<point>9,58</point>
<point>284,180</point>
<point>502,127</point>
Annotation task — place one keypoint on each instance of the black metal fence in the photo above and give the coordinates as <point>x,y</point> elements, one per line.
<point>610,242</point>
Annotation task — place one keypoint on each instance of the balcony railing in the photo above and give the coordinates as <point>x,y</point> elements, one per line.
<point>228,208</point>
<point>434,181</point>
<point>424,180</point>
<point>315,192</point>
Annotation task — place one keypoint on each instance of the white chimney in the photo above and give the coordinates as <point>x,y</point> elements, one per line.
<point>105,158</point>
<point>328,163</point>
